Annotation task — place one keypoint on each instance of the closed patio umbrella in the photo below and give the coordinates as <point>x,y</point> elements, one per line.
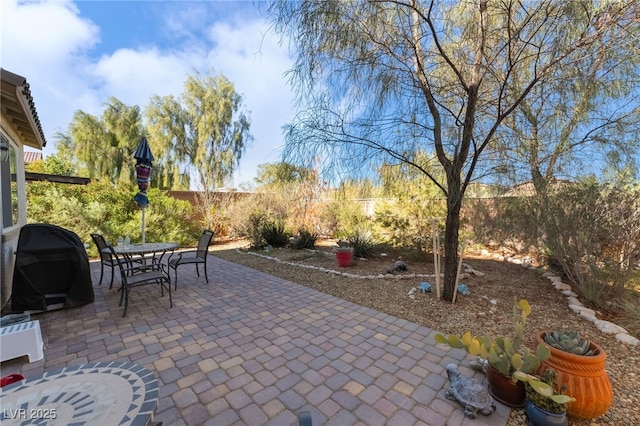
<point>144,163</point>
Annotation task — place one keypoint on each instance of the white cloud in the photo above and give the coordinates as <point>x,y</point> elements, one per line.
<point>50,58</point>
<point>134,76</point>
<point>65,78</point>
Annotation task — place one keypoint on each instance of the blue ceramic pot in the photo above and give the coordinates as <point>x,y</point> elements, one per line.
<point>538,417</point>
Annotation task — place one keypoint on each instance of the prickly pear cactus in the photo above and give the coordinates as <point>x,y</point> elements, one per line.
<point>506,355</point>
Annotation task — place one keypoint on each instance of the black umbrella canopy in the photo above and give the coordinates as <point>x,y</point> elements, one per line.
<point>144,163</point>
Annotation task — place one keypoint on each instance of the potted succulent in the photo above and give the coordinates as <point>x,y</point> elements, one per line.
<point>504,356</point>
<point>546,403</point>
<point>580,366</point>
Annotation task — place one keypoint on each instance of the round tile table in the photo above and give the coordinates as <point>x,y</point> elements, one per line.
<point>104,393</point>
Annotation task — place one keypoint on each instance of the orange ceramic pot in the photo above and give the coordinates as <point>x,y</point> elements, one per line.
<point>585,378</point>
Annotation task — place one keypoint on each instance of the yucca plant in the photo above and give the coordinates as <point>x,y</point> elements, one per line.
<point>275,233</point>
<point>362,242</point>
<point>304,240</point>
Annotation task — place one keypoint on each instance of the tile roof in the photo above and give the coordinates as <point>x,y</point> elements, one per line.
<point>18,105</point>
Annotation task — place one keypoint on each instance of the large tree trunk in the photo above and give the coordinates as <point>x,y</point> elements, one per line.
<point>451,243</point>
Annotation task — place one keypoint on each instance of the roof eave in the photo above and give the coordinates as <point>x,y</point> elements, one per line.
<point>18,105</point>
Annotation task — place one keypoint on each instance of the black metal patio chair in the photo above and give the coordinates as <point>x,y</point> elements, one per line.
<point>106,259</point>
<point>192,257</point>
<point>138,275</point>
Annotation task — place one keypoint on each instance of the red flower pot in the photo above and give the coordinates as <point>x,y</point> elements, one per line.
<point>344,258</point>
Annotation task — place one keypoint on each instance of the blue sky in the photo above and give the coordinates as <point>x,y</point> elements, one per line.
<point>77,54</point>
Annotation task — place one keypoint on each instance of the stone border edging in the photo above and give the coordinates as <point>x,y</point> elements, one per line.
<point>575,305</point>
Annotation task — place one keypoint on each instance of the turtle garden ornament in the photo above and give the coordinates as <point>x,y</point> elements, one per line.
<point>469,392</point>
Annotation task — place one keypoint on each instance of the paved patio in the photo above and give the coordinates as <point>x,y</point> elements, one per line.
<point>252,349</point>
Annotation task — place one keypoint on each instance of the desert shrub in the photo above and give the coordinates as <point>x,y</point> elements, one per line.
<point>98,207</point>
<point>502,221</point>
<point>253,229</point>
<point>274,233</point>
<point>630,306</point>
<point>341,217</point>
<point>242,212</point>
<point>304,240</point>
<point>363,243</point>
<point>405,222</point>
<point>592,232</point>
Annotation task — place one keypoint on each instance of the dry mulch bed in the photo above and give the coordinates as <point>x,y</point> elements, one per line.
<point>500,283</point>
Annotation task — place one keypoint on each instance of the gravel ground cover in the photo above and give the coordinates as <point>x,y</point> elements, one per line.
<point>486,310</point>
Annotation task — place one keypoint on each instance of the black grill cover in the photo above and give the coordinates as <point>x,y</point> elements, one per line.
<point>51,267</point>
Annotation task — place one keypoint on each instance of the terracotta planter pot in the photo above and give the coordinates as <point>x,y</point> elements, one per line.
<point>585,378</point>
<point>505,390</point>
<point>344,258</point>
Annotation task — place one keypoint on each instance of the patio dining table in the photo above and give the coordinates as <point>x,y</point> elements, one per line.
<point>153,251</point>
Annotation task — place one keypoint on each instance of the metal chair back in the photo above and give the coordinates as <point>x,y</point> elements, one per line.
<point>203,244</point>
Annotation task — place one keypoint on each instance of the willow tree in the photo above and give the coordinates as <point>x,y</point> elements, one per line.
<point>582,118</point>
<point>103,147</point>
<point>380,80</point>
<point>205,131</point>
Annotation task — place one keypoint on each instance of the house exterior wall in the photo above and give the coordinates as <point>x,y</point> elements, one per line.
<point>10,234</point>
<point>20,126</point>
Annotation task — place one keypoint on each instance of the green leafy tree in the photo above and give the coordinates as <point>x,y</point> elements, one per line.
<point>275,175</point>
<point>54,165</point>
<point>205,131</point>
<point>103,147</point>
<point>381,80</point>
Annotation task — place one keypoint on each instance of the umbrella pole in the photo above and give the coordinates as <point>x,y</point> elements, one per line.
<point>143,227</point>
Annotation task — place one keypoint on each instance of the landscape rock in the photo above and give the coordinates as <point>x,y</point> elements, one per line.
<point>628,339</point>
<point>569,293</point>
<point>609,327</point>
<point>579,309</point>
<point>574,301</point>
<point>561,286</point>
<point>587,316</point>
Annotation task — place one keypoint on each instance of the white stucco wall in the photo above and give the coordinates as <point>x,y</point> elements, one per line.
<point>9,239</point>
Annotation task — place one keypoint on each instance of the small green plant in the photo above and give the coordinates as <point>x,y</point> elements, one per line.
<point>362,242</point>
<point>506,355</point>
<point>569,341</point>
<point>543,391</point>
<point>304,240</point>
<point>275,233</point>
